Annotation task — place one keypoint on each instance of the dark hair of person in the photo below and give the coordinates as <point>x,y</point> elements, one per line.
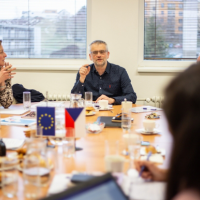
<point>182,110</point>
<point>0,42</point>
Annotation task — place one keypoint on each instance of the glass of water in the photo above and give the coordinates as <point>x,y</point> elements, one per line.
<point>126,120</point>
<point>27,100</point>
<point>10,175</point>
<point>68,147</point>
<point>88,99</point>
<point>134,146</point>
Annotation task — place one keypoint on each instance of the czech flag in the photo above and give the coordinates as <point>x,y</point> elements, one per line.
<point>75,118</point>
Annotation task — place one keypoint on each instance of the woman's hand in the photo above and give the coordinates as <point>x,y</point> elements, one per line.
<point>6,72</point>
<point>151,171</point>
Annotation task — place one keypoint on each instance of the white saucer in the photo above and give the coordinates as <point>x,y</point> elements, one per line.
<point>109,108</point>
<point>90,114</point>
<point>142,131</point>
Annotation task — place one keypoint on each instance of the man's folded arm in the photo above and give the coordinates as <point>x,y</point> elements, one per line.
<point>127,90</point>
<point>78,86</point>
<point>129,97</point>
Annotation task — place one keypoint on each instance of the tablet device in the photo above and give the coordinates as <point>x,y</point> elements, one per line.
<point>108,121</point>
<point>80,178</point>
<point>99,188</point>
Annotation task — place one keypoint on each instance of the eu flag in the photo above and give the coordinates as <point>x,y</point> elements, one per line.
<point>46,120</point>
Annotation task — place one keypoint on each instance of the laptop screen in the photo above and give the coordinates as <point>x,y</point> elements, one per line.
<point>99,188</point>
<point>105,191</point>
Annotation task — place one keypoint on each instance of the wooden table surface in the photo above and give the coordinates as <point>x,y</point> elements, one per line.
<point>91,158</point>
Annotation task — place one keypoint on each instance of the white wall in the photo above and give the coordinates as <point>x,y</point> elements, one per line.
<point>116,22</point>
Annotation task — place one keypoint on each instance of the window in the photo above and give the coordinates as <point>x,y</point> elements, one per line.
<point>171,13</point>
<point>162,12</point>
<point>165,39</point>
<point>54,29</point>
<point>180,28</point>
<point>171,5</point>
<point>180,5</point>
<point>162,5</point>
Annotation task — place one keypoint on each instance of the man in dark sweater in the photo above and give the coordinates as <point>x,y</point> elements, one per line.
<point>105,80</point>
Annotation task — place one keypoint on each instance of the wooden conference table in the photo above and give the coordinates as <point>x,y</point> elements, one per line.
<point>91,158</point>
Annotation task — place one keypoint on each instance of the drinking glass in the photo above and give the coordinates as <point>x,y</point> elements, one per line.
<point>88,99</point>
<point>36,168</point>
<point>39,131</point>
<point>76,101</point>
<point>52,158</point>
<point>134,145</point>
<point>68,147</point>
<point>27,100</point>
<point>126,120</point>
<point>10,175</point>
<point>59,126</point>
<point>31,177</point>
<point>113,161</point>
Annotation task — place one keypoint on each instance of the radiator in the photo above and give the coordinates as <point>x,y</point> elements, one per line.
<point>154,101</point>
<point>58,97</point>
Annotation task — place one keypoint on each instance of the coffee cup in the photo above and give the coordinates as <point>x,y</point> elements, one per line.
<point>103,104</point>
<point>149,125</point>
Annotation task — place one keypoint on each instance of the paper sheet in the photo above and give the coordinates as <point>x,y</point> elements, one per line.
<point>139,189</point>
<point>49,104</point>
<point>157,158</point>
<point>145,109</point>
<point>12,143</point>
<point>12,111</point>
<point>60,183</point>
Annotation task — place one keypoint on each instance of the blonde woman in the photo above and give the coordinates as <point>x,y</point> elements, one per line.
<point>6,95</point>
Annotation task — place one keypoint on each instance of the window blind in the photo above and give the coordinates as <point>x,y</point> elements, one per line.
<point>171,29</point>
<point>44,28</point>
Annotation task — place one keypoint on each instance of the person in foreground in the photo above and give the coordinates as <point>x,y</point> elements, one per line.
<point>105,80</point>
<point>182,110</point>
<point>6,95</point>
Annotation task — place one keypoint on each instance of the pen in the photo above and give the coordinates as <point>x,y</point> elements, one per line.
<point>143,167</point>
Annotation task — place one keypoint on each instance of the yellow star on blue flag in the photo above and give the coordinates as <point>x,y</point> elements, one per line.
<point>46,120</point>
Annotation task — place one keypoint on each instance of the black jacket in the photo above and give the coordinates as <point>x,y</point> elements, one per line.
<point>18,90</point>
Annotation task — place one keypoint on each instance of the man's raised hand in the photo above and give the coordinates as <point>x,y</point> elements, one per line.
<point>84,71</point>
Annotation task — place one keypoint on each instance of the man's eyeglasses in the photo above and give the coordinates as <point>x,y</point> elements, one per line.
<point>102,52</point>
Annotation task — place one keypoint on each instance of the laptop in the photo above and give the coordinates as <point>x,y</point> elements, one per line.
<point>99,188</point>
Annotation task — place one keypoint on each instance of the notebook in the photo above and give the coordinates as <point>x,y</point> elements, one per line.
<point>17,121</point>
<point>108,122</point>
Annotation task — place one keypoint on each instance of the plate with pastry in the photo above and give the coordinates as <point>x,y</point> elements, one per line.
<point>21,153</point>
<point>152,116</point>
<point>42,163</point>
<point>156,157</point>
<point>89,111</point>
